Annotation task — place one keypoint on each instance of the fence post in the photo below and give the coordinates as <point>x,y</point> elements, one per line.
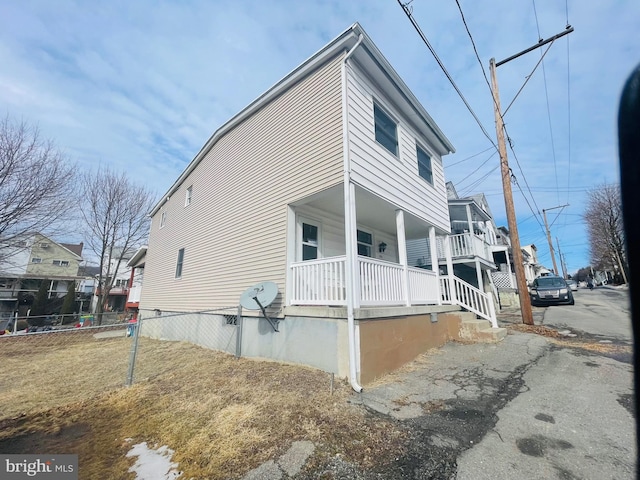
<point>239,332</point>
<point>134,351</point>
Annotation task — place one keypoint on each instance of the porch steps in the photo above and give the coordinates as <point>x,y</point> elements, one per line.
<point>477,330</point>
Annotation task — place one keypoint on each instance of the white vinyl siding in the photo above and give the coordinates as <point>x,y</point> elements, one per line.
<point>235,233</point>
<point>393,178</point>
<point>333,239</point>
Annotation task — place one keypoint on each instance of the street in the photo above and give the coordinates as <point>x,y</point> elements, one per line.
<point>531,407</point>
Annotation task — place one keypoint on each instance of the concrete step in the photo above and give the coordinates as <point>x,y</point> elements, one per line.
<point>477,330</point>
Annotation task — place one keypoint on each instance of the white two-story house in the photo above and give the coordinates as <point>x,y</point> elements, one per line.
<point>316,186</point>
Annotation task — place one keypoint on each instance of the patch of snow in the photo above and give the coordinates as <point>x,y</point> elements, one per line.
<point>153,464</point>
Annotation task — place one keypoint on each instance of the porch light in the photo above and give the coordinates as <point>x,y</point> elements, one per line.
<point>382,247</point>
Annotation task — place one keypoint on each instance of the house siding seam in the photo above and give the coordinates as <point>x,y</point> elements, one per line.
<point>234,231</point>
<point>393,178</point>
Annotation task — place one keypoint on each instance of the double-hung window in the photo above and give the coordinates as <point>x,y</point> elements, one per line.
<point>424,165</point>
<point>179,263</point>
<point>310,241</point>
<point>365,244</point>
<point>163,219</point>
<point>386,130</point>
<point>188,195</point>
<point>61,263</point>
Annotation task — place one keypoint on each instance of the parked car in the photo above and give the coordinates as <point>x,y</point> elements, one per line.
<point>573,285</point>
<point>550,290</point>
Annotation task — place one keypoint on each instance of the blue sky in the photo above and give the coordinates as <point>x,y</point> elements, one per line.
<point>142,85</point>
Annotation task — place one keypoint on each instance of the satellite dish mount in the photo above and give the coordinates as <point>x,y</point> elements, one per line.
<point>259,297</point>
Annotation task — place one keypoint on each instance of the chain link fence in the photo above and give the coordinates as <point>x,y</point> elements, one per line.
<point>156,331</point>
<point>66,360</point>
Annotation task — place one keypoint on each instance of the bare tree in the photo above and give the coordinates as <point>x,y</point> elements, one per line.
<point>37,185</point>
<point>606,230</point>
<point>116,214</point>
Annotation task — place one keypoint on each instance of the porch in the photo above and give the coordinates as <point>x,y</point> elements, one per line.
<point>381,283</point>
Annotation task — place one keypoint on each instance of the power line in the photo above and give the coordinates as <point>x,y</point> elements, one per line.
<point>546,92</point>
<point>469,158</point>
<point>408,13</point>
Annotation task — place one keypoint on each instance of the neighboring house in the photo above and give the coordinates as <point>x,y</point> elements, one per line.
<point>317,186</point>
<point>136,264</point>
<point>116,271</point>
<point>476,250</point>
<point>532,269</point>
<point>32,260</point>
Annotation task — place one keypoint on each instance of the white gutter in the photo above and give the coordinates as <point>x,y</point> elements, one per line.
<point>354,359</point>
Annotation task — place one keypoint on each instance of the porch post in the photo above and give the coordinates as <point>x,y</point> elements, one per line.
<point>479,275</point>
<point>402,255</point>
<point>291,252</point>
<point>469,218</point>
<point>435,266</point>
<point>447,255</point>
<point>511,285</point>
<point>351,250</point>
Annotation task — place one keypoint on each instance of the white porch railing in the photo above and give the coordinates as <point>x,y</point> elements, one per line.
<point>381,283</point>
<point>319,282</point>
<point>465,245</point>
<point>468,297</point>
<point>134,294</point>
<point>423,286</point>
<point>323,282</point>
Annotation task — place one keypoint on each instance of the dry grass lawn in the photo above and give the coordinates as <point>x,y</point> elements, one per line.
<point>223,416</point>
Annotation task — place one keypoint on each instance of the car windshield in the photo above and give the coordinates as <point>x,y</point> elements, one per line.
<point>550,282</point>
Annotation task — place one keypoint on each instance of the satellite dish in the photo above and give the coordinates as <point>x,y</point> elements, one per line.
<point>259,297</point>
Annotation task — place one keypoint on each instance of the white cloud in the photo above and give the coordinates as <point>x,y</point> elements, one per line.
<point>142,85</point>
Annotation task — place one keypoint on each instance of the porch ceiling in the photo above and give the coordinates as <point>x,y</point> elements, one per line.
<point>371,211</point>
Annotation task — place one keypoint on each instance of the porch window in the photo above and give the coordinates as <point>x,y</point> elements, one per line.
<point>179,263</point>
<point>424,165</point>
<point>365,244</point>
<point>309,241</point>
<point>386,130</point>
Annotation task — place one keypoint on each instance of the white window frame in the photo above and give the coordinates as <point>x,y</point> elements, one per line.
<point>372,251</point>
<point>396,151</point>
<point>188,196</point>
<point>61,263</point>
<point>426,152</point>
<point>180,263</point>
<point>36,260</point>
<point>163,218</point>
<point>299,233</point>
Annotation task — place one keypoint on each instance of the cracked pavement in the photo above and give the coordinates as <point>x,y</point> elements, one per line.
<point>522,408</point>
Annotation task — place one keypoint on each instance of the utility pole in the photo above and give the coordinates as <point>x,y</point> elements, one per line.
<point>546,226</point>
<point>562,265</point>
<point>523,291</point>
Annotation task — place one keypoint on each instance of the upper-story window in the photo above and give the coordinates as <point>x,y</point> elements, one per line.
<point>179,263</point>
<point>386,130</point>
<point>61,263</point>
<point>188,195</point>
<point>163,219</point>
<point>36,260</point>
<point>424,165</point>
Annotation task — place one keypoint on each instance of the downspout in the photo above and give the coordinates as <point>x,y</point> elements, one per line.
<point>351,325</point>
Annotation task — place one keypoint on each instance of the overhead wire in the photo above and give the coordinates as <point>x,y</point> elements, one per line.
<point>546,92</point>
<point>475,50</point>
<point>408,12</point>
<point>469,158</point>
